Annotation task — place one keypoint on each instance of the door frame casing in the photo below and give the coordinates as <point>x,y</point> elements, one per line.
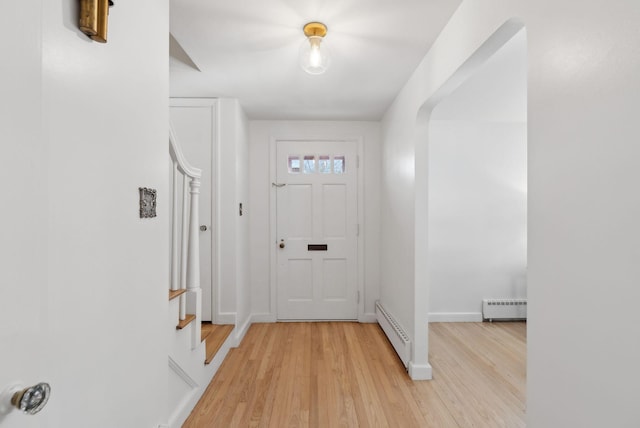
<point>273,224</point>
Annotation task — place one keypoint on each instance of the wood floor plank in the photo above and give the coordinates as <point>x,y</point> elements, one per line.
<point>470,378</point>
<point>348,375</point>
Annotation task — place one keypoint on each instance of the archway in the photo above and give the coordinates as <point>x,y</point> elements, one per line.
<point>512,32</point>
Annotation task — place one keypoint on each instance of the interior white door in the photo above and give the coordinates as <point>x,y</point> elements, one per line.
<point>194,127</point>
<point>316,230</point>
<point>24,303</point>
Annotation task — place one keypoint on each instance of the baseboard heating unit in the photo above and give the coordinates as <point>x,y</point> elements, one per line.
<point>395,333</point>
<point>504,309</point>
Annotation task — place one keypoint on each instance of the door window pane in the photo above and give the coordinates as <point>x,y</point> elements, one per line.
<point>324,164</point>
<point>309,166</point>
<point>338,165</point>
<point>294,164</point>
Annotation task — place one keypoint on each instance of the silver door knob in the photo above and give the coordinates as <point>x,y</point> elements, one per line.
<point>203,228</point>
<point>28,400</point>
<point>32,399</point>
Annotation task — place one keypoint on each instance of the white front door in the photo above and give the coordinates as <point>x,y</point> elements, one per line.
<point>194,127</point>
<point>316,230</point>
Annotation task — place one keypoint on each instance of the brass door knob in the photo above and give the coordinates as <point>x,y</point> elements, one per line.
<point>281,243</point>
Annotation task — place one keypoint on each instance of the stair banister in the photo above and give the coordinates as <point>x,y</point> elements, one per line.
<point>185,264</point>
<point>185,167</point>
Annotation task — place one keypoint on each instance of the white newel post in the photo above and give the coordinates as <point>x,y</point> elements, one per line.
<point>194,293</point>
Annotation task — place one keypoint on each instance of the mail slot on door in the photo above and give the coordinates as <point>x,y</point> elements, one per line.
<point>317,247</point>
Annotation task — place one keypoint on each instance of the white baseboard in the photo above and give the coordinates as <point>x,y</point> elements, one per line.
<point>455,317</point>
<point>184,410</point>
<point>368,318</point>
<point>264,318</point>
<point>242,331</point>
<point>226,318</point>
<point>420,371</point>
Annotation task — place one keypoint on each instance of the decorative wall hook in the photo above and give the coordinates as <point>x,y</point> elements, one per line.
<point>94,19</point>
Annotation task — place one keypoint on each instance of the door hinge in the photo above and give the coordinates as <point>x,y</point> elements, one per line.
<point>358,298</point>
<point>358,229</point>
<point>357,161</point>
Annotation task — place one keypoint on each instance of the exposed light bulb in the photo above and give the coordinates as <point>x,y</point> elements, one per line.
<point>314,55</point>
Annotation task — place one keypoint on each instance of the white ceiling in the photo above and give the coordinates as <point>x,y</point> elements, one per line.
<point>248,49</point>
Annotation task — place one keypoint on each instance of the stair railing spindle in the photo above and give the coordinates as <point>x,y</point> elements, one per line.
<point>175,268</point>
<point>185,244</point>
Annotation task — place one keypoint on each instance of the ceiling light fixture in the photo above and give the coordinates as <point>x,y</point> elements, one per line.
<point>314,55</point>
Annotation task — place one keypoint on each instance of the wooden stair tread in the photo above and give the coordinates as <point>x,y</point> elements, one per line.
<point>214,336</point>
<point>175,293</point>
<point>183,323</point>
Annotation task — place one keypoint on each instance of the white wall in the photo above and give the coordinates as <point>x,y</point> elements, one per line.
<point>583,202</point>
<point>87,126</point>
<point>233,229</point>
<point>260,135</point>
<point>243,299</point>
<point>227,212</point>
<point>477,178</point>
<point>397,254</point>
<point>477,216</point>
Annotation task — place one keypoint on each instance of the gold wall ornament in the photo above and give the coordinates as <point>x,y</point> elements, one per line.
<point>94,16</point>
<point>89,17</point>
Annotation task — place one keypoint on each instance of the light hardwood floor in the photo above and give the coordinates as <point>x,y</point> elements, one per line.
<point>347,375</point>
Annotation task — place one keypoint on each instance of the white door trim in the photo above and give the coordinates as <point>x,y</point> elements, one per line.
<point>273,266</point>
